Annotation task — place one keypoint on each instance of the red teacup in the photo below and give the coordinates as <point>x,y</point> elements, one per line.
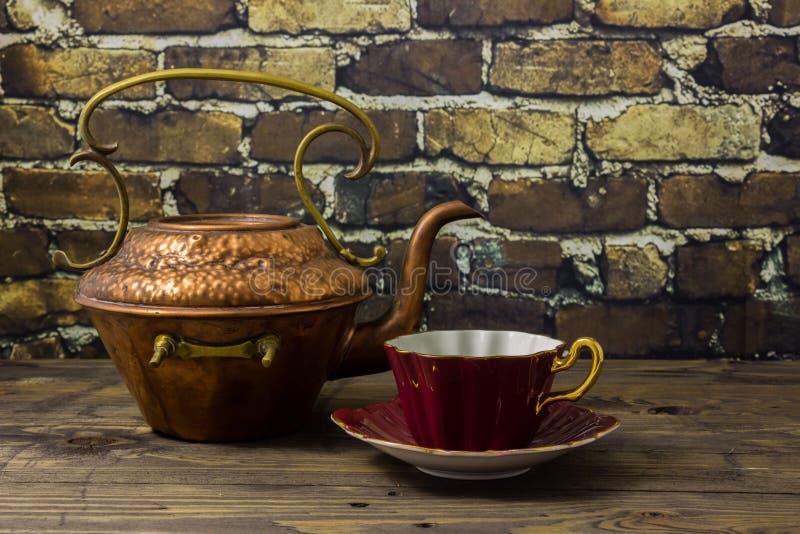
<point>476,390</point>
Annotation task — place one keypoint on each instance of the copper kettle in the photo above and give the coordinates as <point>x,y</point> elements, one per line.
<point>226,326</point>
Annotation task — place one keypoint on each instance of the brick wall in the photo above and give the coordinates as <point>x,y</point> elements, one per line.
<point>638,160</point>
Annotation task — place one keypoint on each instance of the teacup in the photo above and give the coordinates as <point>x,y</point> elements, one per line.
<point>477,390</point>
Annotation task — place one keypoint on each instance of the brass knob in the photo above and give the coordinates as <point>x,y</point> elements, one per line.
<point>163,347</point>
<point>267,348</point>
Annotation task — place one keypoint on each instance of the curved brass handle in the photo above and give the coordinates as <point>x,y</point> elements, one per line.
<point>367,156</point>
<point>60,258</point>
<point>561,365</point>
<point>174,346</point>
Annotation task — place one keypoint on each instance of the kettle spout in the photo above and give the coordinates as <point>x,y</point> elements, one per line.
<point>365,354</point>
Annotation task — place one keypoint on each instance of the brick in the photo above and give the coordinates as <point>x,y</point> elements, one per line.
<point>40,349</point>
<point>33,305</point>
<point>3,19</point>
<point>57,194</point>
<point>756,326</point>
<point>437,67</point>
<point>315,66</point>
<point>278,194</point>
<point>719,269</point>
<point>624,329</point>
<point>519,137</point>
<point>30,71</point>
<point>208,192</point>
<point>276,136</point>
<point>489,312</point>
<point>632,272</point>
<point>23,252</point>
<point>84,245</point>
<point>30,132</point>
<point>28,15</point>
<point>394,199</point>
<point>663,132</point>
<point>784,133</point>
<point>751,65</point>
<point>784,12</point>
<point>170,136</point>
<point>793,258</point>
<point>443,274</point>
<point>613,204</point>
<point>577,67</point>
<point>686,14</point>
<point>708,201</point>
<point>700,326</point>
<point>433,13</point>
<point>331,16</point>
<point>155,16</point>
<point>523,267</point>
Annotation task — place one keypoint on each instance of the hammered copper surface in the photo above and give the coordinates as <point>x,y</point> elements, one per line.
<point>227,399</point>
<point>223,260</point>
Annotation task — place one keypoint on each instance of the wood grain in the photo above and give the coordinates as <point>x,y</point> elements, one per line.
<point>705,446</point>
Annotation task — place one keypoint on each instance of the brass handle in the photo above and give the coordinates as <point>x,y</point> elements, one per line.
<point>561,365</point>
<point>173,346</point>
<point>367,155</point>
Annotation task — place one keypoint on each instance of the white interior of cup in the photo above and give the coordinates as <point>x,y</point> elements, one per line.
<point>475,343</point>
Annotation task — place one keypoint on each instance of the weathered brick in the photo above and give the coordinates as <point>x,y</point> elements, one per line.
<point>632,272</point>
<point>492,312</point>
<point>784,133</point>
<point>784,12</point>
<point>30,132</point>
<point>677,133</point>
<point>793,258</point>
<point>626,329</point>
<point>72,72</point>
<point>525,267</point>
<point>179,136</point>
<point>58,194</point>
<point>155,16</point>
<point>443,274</point>
<point>208,192</point>
<point>33,305</point>
<point>751,65</point>
<point>709,201</point>
<point>26,15</point>
<point>434,67</point>
<point>84,245</point>
<point>315,66</point>
<point>39,349</point>
<point>488,13</point>
<point>278,194</point>
<point>614,204</point>
<point>3,19</point>
<point>501,137</point>
<point>689,14</point>
<point>276,136</point>
<point>719,269</point>
<point>23,252</point>
<point>577,67</point>
<point>759,327</point>
<point>373,16</point>
<point>394,199</point>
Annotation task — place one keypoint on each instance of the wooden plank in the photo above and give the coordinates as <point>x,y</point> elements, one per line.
<point>716,440</point>
<point>461,507</point>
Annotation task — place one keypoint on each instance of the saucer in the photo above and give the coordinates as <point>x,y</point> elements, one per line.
<point>565,426</point>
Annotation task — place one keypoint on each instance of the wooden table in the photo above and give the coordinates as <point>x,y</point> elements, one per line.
<point>703,446</point>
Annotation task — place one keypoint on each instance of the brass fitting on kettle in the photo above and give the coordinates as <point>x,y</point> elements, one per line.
<point>170,345</point>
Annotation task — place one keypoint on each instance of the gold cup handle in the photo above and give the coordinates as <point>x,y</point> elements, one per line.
<point>561,365</point>
<point>174,346</point>
<point>367,153</point>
